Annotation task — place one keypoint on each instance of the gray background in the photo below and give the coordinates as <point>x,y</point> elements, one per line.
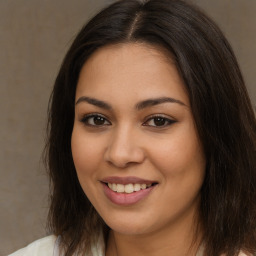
<point>34,36</point>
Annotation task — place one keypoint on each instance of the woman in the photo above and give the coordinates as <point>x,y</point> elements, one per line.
<point>152,139</point>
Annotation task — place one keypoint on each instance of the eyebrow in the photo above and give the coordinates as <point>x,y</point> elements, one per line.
<point>95,102</point>
<point>139,106</point>
<point>157,101</point>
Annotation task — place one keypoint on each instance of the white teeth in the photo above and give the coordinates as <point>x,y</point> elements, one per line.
<point>114,187</point>
<point>129,188</point>
<point>119,188</point>
<point>143,186</point>
<point>136,187</point>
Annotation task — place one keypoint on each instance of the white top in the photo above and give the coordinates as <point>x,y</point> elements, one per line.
<point>49,246</point>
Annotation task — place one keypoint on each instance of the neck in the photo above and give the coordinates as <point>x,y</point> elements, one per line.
<point>178,240</point>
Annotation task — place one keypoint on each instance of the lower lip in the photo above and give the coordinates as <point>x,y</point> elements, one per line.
<point>125,198</point>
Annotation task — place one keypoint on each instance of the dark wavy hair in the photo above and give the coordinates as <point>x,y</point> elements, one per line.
<point>222,110</point>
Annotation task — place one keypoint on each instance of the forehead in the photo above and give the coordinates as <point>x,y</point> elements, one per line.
<point>140,49</point>
<point>132,68</point>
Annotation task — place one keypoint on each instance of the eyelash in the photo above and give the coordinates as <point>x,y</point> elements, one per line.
<point>167,121</point>
<point>86,119</point>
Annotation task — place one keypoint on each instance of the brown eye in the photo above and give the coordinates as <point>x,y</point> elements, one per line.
<point>98,120</point>
<point>159,121</point>
<point>95,120</point>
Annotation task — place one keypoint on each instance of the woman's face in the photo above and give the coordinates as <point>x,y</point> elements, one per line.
<point>134,143</point>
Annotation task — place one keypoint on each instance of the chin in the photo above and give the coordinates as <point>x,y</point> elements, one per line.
<point>127,227</point>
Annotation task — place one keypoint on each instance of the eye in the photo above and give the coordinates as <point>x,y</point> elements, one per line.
<point>159,121</point>
<point>95,120</point>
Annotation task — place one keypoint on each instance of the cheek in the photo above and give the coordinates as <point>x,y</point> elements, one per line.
<point>179,156</point>
<point>182,166</point>
<point>85,152</point>
<point>86,156</point>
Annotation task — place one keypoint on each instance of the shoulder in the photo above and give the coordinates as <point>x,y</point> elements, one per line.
<point>41,247</point>
<point>244,254</point>
<point>49,246</point>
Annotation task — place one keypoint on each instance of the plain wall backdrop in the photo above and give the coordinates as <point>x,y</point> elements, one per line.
<point>34,36</point>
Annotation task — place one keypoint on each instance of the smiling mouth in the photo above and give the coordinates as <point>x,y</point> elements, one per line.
<point>126,191</point>
<point>129,188</point>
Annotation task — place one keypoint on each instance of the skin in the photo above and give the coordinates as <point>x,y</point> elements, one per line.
<point>129,142</point>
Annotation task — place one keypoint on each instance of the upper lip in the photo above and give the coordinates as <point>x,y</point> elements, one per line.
<point>126,180</point>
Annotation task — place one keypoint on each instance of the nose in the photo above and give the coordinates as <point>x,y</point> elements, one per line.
<point>124,149</point>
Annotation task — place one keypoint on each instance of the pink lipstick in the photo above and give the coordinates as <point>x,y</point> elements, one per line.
<point>127,190</point>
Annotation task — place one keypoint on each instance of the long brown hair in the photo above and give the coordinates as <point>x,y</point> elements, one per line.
<point>221,108</point>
